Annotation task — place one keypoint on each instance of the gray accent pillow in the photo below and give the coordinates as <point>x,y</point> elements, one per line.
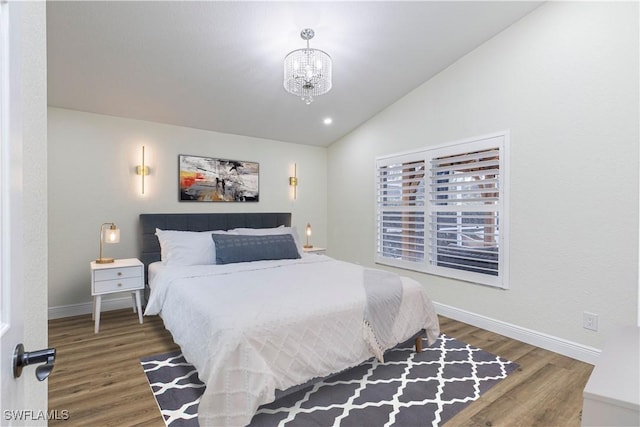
<point>237,248</point>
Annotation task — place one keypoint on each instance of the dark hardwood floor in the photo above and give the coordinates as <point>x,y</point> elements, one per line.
<point>98,378</point>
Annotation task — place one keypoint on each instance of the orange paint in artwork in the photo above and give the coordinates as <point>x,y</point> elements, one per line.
<point>187,179</point>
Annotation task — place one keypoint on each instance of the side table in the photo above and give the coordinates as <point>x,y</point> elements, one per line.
<point>122,275</point>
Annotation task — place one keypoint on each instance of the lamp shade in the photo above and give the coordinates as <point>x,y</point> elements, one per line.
<point>112,235</point>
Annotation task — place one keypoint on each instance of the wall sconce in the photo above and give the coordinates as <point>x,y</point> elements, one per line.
<point>110,235</point>
<point>307,231</point>
<point>293,182</point>
<point>142,170</point>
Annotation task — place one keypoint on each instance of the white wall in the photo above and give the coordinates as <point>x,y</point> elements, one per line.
<point>92,160</point>
<point>34,186</point>
<point>564,81</point>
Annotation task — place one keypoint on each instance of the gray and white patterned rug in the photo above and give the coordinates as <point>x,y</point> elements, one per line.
<point>410,389</point>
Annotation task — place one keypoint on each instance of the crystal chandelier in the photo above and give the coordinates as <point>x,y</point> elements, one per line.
<point>307,72</point>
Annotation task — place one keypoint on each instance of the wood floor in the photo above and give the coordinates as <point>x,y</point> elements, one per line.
<point>99,381</point>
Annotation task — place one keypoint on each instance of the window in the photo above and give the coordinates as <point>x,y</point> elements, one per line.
<point>400,212</point>
<point>443,210</point>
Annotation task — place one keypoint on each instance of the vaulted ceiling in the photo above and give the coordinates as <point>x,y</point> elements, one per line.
<point>218,65</point>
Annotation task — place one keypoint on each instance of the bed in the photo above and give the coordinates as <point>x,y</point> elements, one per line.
<point>258,317</point>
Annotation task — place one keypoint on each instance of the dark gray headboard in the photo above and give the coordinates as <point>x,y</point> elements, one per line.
<point>150,248</point>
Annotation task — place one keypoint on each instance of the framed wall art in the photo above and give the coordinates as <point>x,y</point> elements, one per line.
<point>207,179</point>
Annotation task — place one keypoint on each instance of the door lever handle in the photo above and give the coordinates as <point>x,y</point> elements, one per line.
<point>21,359</point>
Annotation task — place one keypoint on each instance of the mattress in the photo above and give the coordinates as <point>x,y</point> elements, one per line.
<point>256,327</point>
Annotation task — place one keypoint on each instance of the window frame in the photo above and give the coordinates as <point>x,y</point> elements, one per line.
<point>498,141</point>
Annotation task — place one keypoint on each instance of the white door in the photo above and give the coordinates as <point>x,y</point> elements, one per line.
<point>11,262</point>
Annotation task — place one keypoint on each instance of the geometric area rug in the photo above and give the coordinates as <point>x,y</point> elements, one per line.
<point>409,389</point>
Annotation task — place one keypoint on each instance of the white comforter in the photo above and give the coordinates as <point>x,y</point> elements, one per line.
<point>252,328</point>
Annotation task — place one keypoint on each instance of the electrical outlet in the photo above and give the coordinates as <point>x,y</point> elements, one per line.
<point>590,321</point>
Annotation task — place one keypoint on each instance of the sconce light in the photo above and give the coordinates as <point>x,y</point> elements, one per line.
<point>293,182</point>
<point>109,235</point>
<point>307,231</point>
<point>142,170</point>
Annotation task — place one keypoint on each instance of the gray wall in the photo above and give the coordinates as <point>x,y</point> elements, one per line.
<point>564,81</point>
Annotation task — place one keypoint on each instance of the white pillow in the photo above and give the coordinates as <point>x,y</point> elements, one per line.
<point>182,248</point>
<point>267,231</point>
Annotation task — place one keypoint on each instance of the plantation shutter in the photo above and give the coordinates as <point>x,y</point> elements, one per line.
<point>465,211</point>
<point>400,210</point>
<point>444,210</point>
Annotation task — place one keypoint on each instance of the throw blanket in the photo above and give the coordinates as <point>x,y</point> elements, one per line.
<point>383,291</point>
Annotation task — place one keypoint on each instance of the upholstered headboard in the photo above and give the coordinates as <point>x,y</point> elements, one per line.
<point>150,247</point>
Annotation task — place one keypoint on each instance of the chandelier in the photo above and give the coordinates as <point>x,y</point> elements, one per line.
<point>307,72</point>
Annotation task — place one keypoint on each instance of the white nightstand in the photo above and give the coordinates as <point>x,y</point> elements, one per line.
<point>122,275</point>
<point>314,250</point>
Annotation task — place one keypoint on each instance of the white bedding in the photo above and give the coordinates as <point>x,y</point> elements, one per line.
<point>251,328</point>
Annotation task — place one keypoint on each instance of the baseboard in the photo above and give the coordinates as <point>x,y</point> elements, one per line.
<point>548,342</point>
<point>87,307</point>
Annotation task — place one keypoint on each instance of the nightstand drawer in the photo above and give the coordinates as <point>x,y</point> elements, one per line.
<point>117,273</point>
<point>117,285</point>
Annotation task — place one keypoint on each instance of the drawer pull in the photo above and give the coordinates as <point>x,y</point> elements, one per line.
<point>119,284</point>
<point>119,273</point>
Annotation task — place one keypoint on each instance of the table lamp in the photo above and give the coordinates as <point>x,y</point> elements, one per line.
<point>109,235</point>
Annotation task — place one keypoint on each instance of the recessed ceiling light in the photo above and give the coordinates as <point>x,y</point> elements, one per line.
<point>328,121</point>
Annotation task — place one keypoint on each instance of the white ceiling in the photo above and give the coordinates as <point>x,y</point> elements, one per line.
<point>218,65</point>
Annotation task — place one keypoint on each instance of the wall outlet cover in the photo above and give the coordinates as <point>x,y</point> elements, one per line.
<point>590,321</point>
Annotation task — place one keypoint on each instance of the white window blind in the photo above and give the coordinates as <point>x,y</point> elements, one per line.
<point>400,212</point>
<point>443,210</point>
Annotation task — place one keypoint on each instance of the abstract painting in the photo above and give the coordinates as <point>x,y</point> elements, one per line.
<point>206,179</point>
